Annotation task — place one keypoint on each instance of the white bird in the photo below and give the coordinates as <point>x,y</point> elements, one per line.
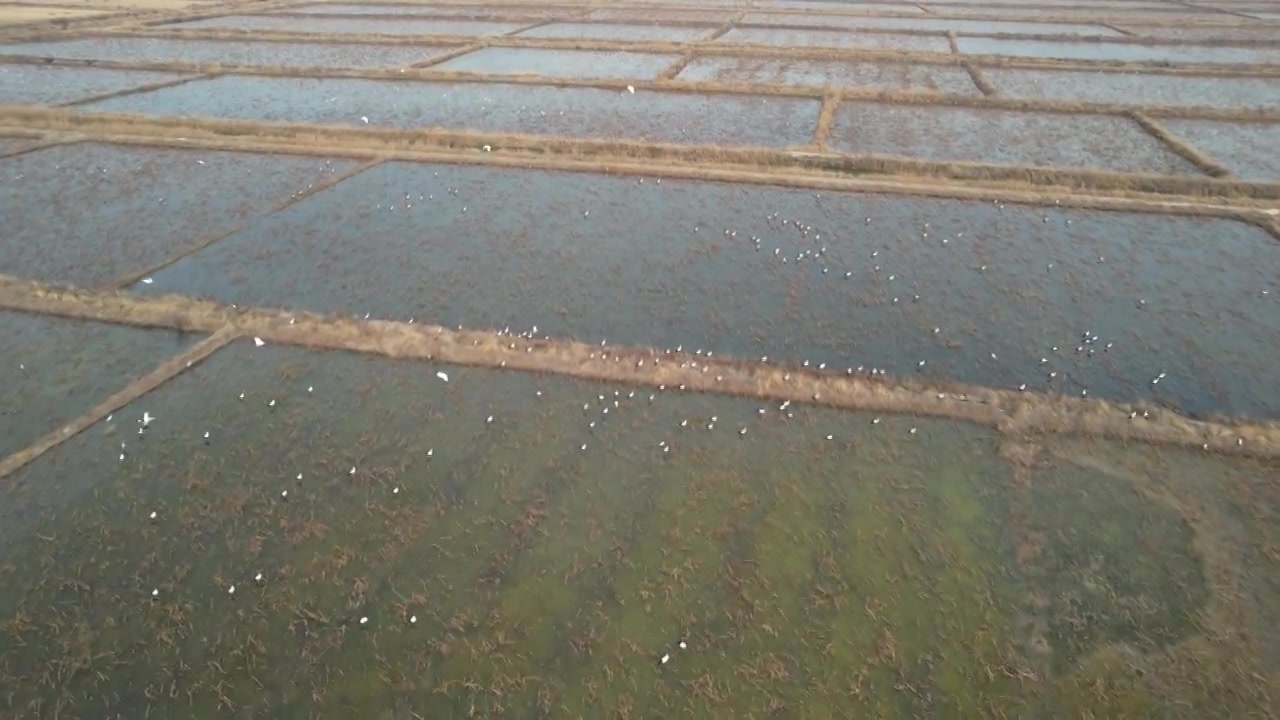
<point>443,376</point>
<point>257,578</point>
<point>153,515</point>
<point>487,148</point>
<point>257,342</point>
<point>147,281</point>
<point>231,590</point>
<point>631,89</point>
<point>155,593</point>
<point>364,119</point>
<point>413,619</point>
<point>146,419</point>
<point>364,621</point>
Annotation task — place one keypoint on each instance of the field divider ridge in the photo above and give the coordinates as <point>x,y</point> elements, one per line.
<point>1199,158</point>
<point>980,80</point>
<point>1011,412</point>
<point>822,128</point>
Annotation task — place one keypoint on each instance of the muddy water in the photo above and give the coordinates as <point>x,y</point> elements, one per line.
<point>545,560</point>
<point>982,292</point>
<point>52,85</point>
<point>89,213</point>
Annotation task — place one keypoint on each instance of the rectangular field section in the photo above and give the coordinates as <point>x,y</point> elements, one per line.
<point>978,27</point>
<point>1005,137</point>
<point>228,52</point>
<point>866,75</point>
<point>89,213</point>
<point>1136,88</point>
<point>538,109</point>
<point>985,293</point>
<point>834,39</point>
<point>48,85</point>
<point>1128,52</point>
<point>352,25</point>
<point>603,31</point>
<point>560,63</point>
<point>1250,150</point>
<point>56,369</point>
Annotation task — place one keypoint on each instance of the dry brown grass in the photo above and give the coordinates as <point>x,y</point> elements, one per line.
<point>1013,413</point>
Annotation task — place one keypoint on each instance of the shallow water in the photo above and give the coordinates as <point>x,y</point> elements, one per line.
<point>595,257</point>
<point>560,63</point>
<point>56,369</point>
<point>983,27</point>
<point>898,573</point>
<point>403,26</point>
<point>1118,51</point>
<point>1136,88</point>
<point>593,31</point>
<point>328,55</point>
<point>895,76</point>
<point>538,109</point>
<point>1247,149</point>
<point>52,85</point>
<point>1003,137</point>
<point>89,213</point>
<point>825,38</point>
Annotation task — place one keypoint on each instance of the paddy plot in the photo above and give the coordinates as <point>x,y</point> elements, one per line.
<point>1119,51</point>
<point>886,76</point>
<point>833,39</point>
<point>57,369</point>
<point>537,109</point>
<point>1069,301</point>
<point>984,27</point>
<point>327,55</point>
<point>601,31</point>
<point>1136,88</point>
<point>45,85</point>
<point>1247,149</point>
<point>353,25</point>
<point>89,213</point>
<point>1004,137</point>
<point>560,63</point>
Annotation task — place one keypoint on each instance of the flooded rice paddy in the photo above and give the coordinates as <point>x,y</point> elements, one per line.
<point>1177,53</point>
<point>357,533</point>
<point>888,76</point>
<point>1001,295</point>
<point>89,213</point>
<point>539,109</point>
<point>834,39</point>
<point>57,369</point>
<point>273,532</point>
<point>560,63</point>
<point>327,55</point>
<point>390,26</point>
<point>46,85</point>
<point>1144,89</point>
<point>1003,136</point>
<point>634,33</point>
<point>1245,148</point>
<point>931,24</point>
